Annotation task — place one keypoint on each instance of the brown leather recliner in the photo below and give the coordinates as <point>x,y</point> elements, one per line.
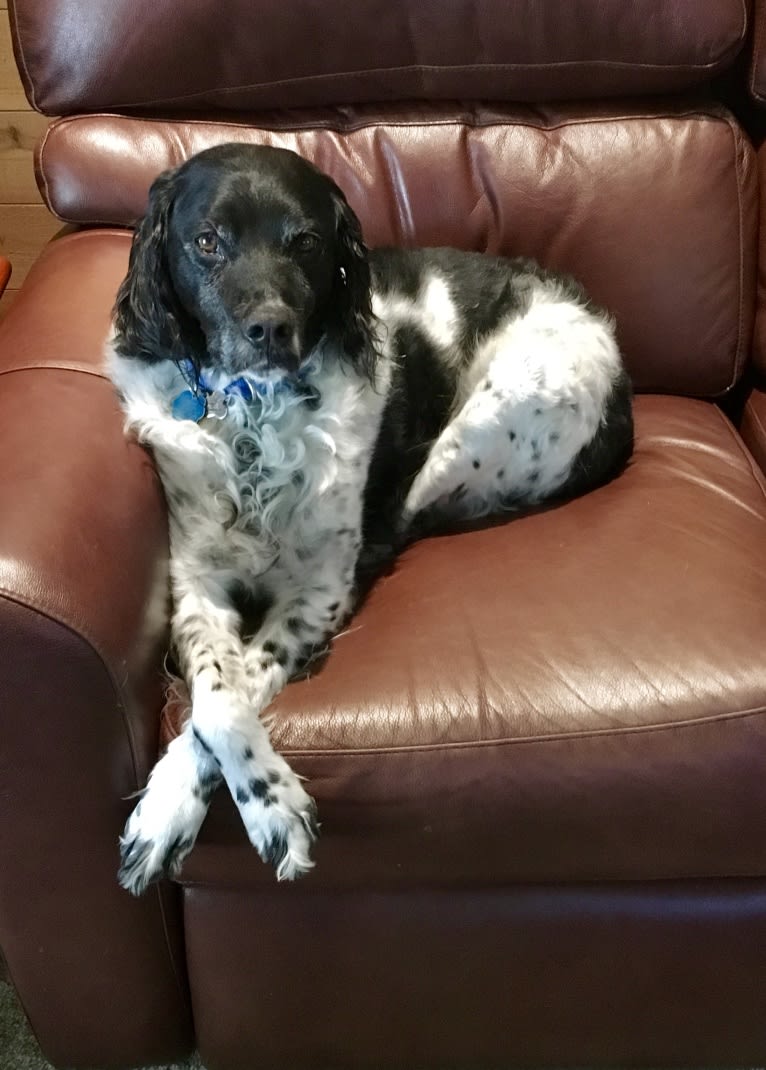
<point>539,750</point>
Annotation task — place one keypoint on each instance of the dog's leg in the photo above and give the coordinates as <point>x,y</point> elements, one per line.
<point>163,826</point>
<point>205,636</point>
<point>280,818</point>
<point>538,402</point>
<point>231,688</point>
<point>278,814</point>
<point>226,737</point>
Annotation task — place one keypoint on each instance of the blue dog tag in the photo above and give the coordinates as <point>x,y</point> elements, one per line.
<point>188,406</point>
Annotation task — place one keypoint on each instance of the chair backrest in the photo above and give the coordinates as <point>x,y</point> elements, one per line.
<point>652,207</point>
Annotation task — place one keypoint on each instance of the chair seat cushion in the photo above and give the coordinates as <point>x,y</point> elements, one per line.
<point>575,695</point>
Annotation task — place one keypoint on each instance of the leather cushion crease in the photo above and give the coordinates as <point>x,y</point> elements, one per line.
<point>653,210</point>
<point>405,49</point>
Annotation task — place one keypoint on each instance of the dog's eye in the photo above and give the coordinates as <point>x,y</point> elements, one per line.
<point>207,242</point>
<point>305,243</point>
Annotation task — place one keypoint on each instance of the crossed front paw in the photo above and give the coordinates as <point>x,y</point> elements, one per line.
<point>280,818</point>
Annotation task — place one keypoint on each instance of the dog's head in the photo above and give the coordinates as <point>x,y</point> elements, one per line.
<point>247,259</point>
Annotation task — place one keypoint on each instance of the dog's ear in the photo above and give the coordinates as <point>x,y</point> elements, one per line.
<point>353,290</point>
<point>149,321</point>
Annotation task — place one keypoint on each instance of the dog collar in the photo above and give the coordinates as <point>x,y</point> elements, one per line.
<point>201,400</point>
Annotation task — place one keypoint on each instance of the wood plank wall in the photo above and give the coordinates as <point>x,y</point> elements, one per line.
<point>25,223</point>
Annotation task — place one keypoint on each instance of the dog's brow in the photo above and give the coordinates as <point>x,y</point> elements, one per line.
<point>294,226</point>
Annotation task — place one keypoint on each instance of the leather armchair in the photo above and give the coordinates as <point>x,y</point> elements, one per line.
<point>539,749</point>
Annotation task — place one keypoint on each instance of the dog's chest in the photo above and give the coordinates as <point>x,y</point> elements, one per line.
<point>291,472</point>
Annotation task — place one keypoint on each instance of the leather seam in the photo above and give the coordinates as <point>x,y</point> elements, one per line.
<point>67,366</point>
<point>45,191</point>
<point>739,352</point>
<point>430,68</point>
<point>703,112</point>
<point>527,886</point>
<point>757,45</point>
<point>564,737</point>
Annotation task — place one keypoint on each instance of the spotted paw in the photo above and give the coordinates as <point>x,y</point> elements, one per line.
<point>161,831</point>
<point>281,820</point>
<point>144,861</point>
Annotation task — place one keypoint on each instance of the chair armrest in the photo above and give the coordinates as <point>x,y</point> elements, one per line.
<point>83,607</point>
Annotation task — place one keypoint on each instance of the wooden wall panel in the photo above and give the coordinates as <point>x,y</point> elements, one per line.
<point>11,94</point>
<point>25,223</point>
<point>19,133</point>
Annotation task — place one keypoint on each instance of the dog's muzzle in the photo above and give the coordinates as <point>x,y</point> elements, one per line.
<point>272,331</point>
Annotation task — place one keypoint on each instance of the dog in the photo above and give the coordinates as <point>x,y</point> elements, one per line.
<point>312,407</point>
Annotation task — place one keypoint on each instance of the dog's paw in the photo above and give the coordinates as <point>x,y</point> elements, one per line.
<point>280,819</point>
<point>163,827</point>
<point>143,861</point>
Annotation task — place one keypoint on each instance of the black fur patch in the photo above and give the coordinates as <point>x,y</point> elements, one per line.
<point>206,787</point>
<point>276,850</point>
<point>252,605</point>
<point>175,854</point>
<point>611,446</point>
<point>258,787</point>
<point>416,411</point>
<point>205,746</point>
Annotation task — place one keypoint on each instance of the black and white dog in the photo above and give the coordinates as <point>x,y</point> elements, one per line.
<point>312,406</point>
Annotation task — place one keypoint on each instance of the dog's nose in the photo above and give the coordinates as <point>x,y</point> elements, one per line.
<point>269,332</point>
